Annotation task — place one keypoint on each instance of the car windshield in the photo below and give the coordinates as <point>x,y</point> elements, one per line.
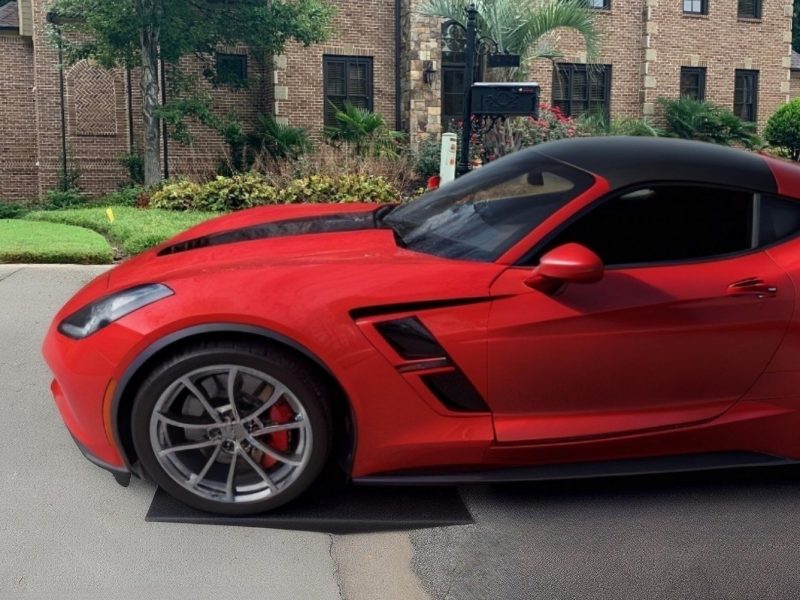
<point>483,214</point>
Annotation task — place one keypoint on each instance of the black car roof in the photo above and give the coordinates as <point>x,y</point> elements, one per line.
<point>625,161</point>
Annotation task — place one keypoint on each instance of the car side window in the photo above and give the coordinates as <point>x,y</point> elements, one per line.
<point>779,219</point>
<point>669,223</point>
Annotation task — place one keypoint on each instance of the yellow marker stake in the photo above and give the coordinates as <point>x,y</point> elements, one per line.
<point>110,214</point>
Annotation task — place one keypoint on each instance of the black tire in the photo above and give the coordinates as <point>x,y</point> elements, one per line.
<point>274,362</point>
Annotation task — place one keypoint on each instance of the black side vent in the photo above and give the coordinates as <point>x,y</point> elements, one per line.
<point>410,339</point>
<point>456,392</point>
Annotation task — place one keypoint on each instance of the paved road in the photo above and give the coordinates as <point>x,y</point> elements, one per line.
<point>66,530</point>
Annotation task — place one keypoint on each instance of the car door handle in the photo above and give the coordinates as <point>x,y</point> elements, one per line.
<point>752,287</point>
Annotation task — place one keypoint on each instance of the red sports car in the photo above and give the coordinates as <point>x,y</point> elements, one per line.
<point>587,307</point>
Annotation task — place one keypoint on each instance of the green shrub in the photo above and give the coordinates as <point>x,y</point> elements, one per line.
<point>634,127</point>
<point>596,125</point>
<point>178,194</point>
<point>251,189</point>
<point>12,210</point>
<point>695,120</point>
<point>58,199</point>
<point>493,139</point>
<point>343,189</point>
<point>241,191</point>
<point>427,158</point>
<point>129,196</point>
<point>280,141</point>
<point>133,162</point>
<point>783,129</point>
<point>363,132</point>
<point>237,160</point>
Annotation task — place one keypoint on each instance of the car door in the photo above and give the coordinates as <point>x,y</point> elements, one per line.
<point>686,318</point>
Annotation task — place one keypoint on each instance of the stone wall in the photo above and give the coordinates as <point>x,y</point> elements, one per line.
<point>421,102</point>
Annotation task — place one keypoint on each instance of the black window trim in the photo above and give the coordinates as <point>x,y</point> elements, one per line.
<point>703,8</point>
<point>756,76</point>
<point>758,8</point>
<point>347,59</point>
<point>606,5</point>
<point>702,72</point>
<point>525,261</point>
<point>240,57</point>
<point>609,70</point>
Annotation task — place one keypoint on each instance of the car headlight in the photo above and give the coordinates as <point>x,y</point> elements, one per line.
<point>103,312</point>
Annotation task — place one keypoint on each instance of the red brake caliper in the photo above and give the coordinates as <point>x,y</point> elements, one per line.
<point>280,413</point>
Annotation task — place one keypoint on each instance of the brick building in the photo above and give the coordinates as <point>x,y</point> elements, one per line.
<point>388,57</point>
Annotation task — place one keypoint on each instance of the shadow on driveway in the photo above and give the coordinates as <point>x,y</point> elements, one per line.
<point>726,534</point>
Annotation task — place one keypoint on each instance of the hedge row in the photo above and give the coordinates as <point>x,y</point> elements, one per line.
<point>251,189</point>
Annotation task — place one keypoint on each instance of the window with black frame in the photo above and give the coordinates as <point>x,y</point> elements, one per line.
<point>231,69</point>
<point>600,4</point>
<point>693,83</point>
<point>346,79</point>
<point>745,95</point>
<point>750,9</point>
<point>695,7</point>
<point>582,89</point>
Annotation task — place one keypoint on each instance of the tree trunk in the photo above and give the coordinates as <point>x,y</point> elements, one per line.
<point>151,91</point>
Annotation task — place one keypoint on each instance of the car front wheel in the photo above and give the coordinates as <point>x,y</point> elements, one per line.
<point>232,427</point>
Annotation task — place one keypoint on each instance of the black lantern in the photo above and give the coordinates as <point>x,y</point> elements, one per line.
<point>429,72</point>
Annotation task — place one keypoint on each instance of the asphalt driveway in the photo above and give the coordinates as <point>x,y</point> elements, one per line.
<point>67,530</point>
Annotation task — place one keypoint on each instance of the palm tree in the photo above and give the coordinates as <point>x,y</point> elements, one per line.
<point>522,26</point>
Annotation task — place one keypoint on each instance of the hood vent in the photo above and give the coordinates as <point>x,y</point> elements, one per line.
<point>337,223</point>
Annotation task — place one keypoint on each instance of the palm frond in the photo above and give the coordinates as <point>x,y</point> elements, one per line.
<point>280,141</point>
<point>519,26</point>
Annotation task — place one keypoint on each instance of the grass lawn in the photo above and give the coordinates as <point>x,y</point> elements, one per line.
<point>23,241</point>
<point>134,230</point>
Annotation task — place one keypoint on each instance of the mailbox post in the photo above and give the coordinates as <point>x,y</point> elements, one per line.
<point>469,78</point>
<point>498,100</point>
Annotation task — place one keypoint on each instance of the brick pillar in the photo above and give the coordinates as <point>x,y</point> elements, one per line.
<point>47,99</point>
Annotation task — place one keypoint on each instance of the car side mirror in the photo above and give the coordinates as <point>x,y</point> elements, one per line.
<point>570,263</point>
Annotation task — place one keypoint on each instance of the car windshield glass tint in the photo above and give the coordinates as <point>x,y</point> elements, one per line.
<point>481,215</point>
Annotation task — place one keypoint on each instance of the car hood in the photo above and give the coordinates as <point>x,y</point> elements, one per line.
<point>282,235</point>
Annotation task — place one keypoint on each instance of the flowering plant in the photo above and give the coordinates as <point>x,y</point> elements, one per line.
<point>494,138</point>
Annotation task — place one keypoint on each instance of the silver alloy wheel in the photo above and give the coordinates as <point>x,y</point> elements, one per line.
<point>213,433</point>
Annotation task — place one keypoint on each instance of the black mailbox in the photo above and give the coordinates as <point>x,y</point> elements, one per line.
<point>505,99</point>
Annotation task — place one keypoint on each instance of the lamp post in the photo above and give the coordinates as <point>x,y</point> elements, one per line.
<point>469,79</point>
